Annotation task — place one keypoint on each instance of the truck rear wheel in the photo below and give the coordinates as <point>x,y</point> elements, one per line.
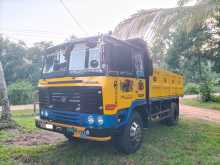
<point>131,137</point>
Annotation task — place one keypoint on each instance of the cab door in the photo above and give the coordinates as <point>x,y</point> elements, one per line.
<point>121,65</point>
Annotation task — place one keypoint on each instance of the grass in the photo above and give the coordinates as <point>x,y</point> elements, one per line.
<point>191,142</point>
<point>197,103</point>
<point>25,118</point>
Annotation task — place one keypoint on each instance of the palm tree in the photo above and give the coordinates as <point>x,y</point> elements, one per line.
<point>156,25</point>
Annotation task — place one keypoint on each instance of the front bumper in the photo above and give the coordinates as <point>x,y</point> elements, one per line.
<point>96,134</point>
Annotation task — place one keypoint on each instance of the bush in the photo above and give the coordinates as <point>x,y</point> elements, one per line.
<point>191,88</point>
<point>20,92</point>
<point>217,89</point>
<point>206,89</point>
<point>216,99</point>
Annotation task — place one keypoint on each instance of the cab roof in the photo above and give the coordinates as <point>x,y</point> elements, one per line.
<point>136,43</point>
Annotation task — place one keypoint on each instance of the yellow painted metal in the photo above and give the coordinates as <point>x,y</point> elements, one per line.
<point>162,84</point>
<point>78,130</point>
<point>165,84</point>
<point>111,88</point>
<point>100,139</point>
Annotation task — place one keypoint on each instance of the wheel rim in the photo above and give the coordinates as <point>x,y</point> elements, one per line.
<point>135,133</point>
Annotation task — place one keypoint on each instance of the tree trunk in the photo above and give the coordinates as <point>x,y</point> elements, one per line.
<point>4,101</point>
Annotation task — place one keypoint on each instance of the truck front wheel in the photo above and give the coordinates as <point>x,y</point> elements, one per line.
<point>130,140</point>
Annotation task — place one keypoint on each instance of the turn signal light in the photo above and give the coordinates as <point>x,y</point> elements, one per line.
<point>110,106</point>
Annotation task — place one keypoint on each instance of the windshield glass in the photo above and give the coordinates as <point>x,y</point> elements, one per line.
<point>84,59</point>
<point>81,60</point>
<point>55,62</point>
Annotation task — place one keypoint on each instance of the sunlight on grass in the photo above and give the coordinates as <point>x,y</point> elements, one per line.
<point>197,103</point>
<point>25,118</point>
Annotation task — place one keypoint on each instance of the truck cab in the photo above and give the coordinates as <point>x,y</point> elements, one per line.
<point>101,88</point>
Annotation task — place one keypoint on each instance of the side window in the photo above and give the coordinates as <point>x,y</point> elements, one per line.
<point>138,63</point>
<point>121,60</point>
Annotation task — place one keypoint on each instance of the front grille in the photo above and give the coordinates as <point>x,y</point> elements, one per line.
<point>64,117</point>
<point>72,99</point>
<point>44,98</point>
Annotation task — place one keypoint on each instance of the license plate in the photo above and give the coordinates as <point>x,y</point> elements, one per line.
<point>49,126</point>
<point>79,133</point>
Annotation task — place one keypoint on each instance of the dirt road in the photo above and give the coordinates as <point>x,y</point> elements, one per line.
<point>187,111</point>
<point>21,107</point>
<point>200,113</point>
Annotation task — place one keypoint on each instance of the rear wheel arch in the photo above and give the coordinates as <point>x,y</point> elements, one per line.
<point>143,112</point>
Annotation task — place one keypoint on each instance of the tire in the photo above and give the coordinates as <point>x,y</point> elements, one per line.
<point>174,115</point>
<point>130,140</point>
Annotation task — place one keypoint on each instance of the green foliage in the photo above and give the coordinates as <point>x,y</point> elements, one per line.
<point>216,99</point>
<point>20,92</point>
<point>157,24</point>
<point>20,62</point>
<point>22,68</point>
<point>191,88</point>
<point>196,53</point>
<point>185,56</point>
<point>216,89</point>
<point>206,89</point>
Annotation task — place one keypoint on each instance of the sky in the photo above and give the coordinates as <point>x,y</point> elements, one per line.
<point>47,20</point>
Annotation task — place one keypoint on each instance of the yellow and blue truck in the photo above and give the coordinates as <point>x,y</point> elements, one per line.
<point>102,88</point>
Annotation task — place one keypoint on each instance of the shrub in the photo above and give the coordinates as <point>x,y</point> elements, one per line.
<point>191,88</point>
<point>216,99</point>
<point>217,89</point>
<point>20,92</point>
<point>206,89</point>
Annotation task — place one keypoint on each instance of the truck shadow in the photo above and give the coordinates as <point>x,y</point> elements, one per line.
<point>104,149</point>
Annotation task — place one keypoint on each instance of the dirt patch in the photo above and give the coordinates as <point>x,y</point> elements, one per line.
<point>38,138</point>
<point>200,113</point>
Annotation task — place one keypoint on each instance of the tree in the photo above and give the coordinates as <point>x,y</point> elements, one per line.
<point>20,62</point>
<point>4,96</point>
<point>196,53</point>
<point>155,25</point>
<point>34,56</point>
<point>5,120</point>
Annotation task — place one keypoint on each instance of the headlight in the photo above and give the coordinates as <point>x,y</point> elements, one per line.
<point>42,113</point>
<point>100,120</point>
<point>46,114</point>
<point>90,120</point>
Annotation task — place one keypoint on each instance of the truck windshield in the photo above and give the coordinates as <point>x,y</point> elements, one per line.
<point>81,60</point>
<point>55,62</point>
<point>85,60</point>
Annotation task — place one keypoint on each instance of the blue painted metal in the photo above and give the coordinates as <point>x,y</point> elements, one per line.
<point>110,121</point>
<point>81,119</point>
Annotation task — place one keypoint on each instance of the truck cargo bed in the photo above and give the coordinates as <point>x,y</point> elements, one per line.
<point>164,84</point>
